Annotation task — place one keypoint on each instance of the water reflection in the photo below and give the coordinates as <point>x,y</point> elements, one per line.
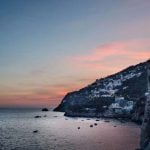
<point>61,133</point>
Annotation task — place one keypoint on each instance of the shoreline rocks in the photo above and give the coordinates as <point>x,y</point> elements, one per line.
<point>91,126</point>
<point>35,131</point>
<point>37,116</point>
<point>45,109</point>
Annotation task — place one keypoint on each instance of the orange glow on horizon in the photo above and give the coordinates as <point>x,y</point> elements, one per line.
<point>105,59</point>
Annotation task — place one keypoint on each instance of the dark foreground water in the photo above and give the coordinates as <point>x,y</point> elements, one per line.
<point>57,132</point>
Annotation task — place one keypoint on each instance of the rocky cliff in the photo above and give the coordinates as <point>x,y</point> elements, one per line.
<point>145,132</point>
<point>129,83</point>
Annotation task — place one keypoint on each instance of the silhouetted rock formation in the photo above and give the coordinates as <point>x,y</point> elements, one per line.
<point>44,109</point>
<point>37,117</point>
<point>94,100</point>
<point>35,131</point>
<point>95,124</point>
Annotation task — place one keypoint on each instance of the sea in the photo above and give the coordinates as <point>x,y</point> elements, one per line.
<point>20,130</point>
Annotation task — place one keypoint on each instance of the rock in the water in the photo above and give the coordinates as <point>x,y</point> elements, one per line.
<point>45,116</point>
<point>95,124</point>
<point>35,131</point>
<point>44,109</point>
<point>91,126</point>
<point>37,116</point>
<point>78,128</point>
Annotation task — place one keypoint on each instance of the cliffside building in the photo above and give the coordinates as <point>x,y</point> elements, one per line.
<point>121,106</point>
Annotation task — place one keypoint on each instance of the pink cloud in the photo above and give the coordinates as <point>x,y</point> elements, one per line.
<point>114,56</point>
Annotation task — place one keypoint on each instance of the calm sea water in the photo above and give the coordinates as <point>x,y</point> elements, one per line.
<point>57,132</point>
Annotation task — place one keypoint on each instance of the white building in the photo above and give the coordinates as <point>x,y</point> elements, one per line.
<point>121,105</point>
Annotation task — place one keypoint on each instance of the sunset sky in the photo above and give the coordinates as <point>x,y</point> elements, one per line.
<point>51,47</point>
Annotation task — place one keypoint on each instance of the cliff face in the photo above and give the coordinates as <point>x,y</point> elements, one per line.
<point>129,83</point>
<point>138,111</point>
